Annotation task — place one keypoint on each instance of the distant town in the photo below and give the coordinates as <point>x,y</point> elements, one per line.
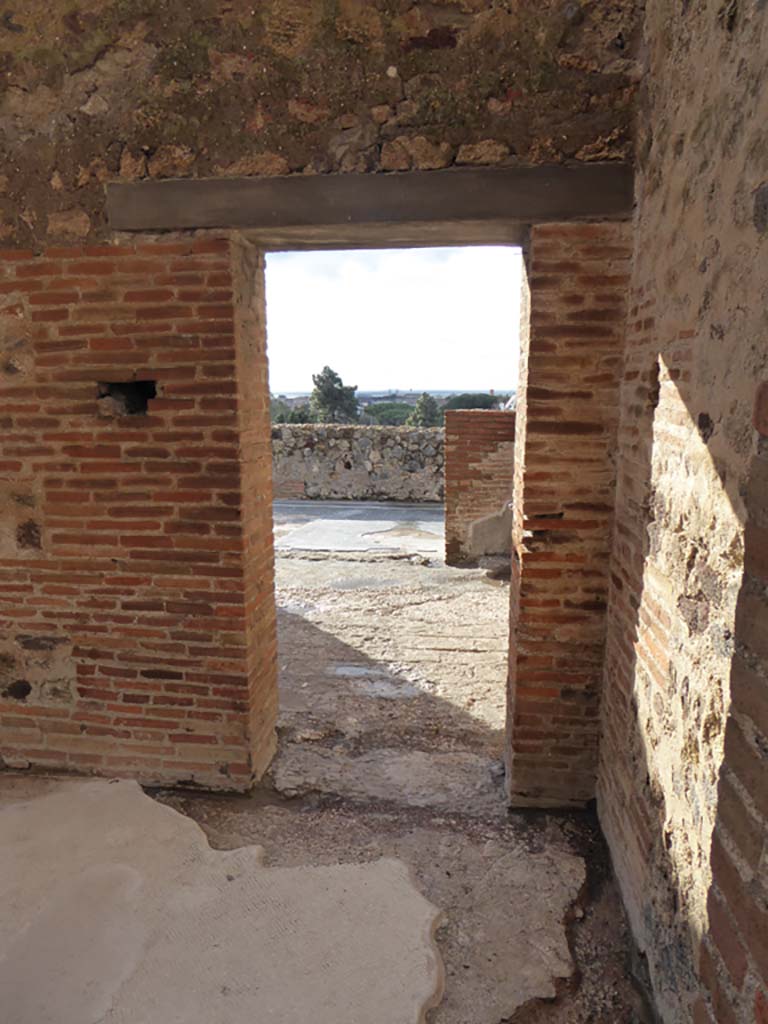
<point>366,398</point>
<point>333,401</point>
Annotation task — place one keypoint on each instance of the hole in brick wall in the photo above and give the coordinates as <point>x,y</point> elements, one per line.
<point>28,535</point>
<point>126,398</point>
<point>18,690</point>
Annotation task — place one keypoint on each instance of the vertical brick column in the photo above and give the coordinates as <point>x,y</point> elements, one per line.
<point>564,486</point>
<point>135,574</point>
<point>479,460</point>
<point>255,455</point>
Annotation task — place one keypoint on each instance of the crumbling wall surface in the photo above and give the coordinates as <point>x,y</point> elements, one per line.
<point>683,778</point>
<point>124,647</point>
<point>127,89</point>
<point>479,469</point>
<point>346,462</point>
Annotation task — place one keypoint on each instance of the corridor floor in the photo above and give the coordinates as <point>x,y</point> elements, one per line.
<point>381,821</point>
<point>392,679</point>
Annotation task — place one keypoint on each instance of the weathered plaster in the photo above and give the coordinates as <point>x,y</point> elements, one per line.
<point>131,89</point>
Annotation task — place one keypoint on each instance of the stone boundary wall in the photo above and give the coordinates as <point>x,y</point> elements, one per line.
<point>339,461</point>
<point>479,470</point>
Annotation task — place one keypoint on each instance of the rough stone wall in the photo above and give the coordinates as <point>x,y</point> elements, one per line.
<point>479,469</point>
<point>683,791</point>
<point>127,89</point>
<point>358,463</point>
<point>124,646</point>
<point>563,503</point>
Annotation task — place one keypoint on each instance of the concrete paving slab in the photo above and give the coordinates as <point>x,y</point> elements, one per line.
<point>462,782</point>
<point>393,528</point>
<point>116,911</point>
<point>507,886</point>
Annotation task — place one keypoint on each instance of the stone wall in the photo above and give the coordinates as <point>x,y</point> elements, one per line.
<point>479,469</point>
<point>568,409</point>
<point>130,89</point>
<point>683,791</point>
<point>136,637</point>
<point>358,463</point>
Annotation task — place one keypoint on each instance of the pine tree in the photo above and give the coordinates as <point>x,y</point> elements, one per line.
<point>426,413</point>
<point>332,401</point>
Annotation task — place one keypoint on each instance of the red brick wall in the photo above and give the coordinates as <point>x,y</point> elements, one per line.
<point>255,450</point>
<point>128,617</point>
<point>564,482</point>
<point>697,895</point>
<point>734,957</point>
<point>479,467</point>
<point>683,780</point>
<point>289,489</point>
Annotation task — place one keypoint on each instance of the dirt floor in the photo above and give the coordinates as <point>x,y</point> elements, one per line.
<point>392,673</point>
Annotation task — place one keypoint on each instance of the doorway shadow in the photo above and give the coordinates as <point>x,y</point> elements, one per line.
<point>354,726</point>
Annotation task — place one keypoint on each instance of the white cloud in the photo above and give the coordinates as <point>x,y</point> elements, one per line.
<point>440,319</point>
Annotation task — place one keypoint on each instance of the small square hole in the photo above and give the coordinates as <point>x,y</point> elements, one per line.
<point>126,398</point>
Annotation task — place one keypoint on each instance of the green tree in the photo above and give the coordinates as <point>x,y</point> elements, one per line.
<point>333,401</point>
<point>475,401</point>
<point>278,409</point>
<point>389,414</point>
<point>426,412</point>
<point>299,414</point>
<point>282,412</point>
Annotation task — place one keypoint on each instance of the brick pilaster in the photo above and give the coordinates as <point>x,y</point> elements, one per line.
<point>564,487</point>
<point>131,610</point>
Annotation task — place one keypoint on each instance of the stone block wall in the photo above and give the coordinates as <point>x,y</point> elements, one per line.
<point>131,623</point>
<point>683,786</point>
<point>479,468</point>
<point>189,88</point>
<point>568,407</point>
<point>346,462</point>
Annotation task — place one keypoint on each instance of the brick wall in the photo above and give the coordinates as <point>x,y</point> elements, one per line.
<point>684,759</point>
<point>683,788</point>
<point>733,959</point>
<point>255,455</point>
<point>479,467</point>
<point>129,618</point>
<point>289,489</point>
<point>564,483</point>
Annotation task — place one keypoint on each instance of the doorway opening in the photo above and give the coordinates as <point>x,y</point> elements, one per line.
<point>392,373</point>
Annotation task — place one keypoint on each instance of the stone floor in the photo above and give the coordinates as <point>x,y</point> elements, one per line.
<point>396,528</point>
<point>392,671</point>
<point>117,911</point>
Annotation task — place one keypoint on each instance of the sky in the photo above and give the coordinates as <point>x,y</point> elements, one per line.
<point>411,319</point>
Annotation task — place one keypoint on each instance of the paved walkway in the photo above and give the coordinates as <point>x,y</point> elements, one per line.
<point>364,526</point>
